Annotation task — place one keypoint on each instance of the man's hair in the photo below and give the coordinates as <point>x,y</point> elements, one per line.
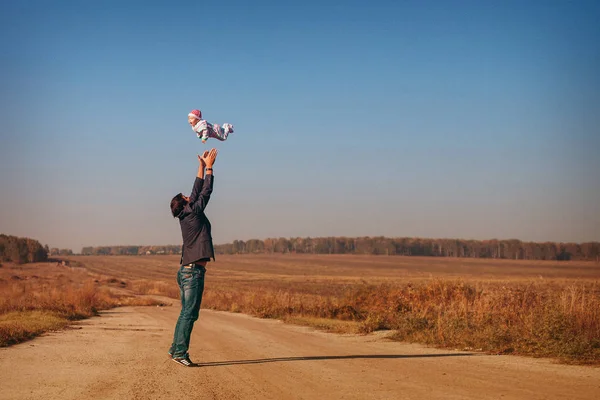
<point>177,205</point>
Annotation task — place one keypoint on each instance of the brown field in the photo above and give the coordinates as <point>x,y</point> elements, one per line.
<point>536,308</point>
<point>40,297</point>
<point>345,269</point>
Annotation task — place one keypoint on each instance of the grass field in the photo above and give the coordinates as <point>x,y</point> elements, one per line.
<point>536,308</point>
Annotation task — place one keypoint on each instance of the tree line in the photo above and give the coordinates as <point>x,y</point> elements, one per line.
<point>60,252</point>
<point>504,249</point>
<point>130,250</point>
<point>21,250</point>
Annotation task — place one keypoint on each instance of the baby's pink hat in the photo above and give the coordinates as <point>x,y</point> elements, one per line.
<point>196,114</point>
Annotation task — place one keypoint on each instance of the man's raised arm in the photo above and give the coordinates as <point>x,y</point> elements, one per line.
<point>207,160</point>
<point>198,182</point>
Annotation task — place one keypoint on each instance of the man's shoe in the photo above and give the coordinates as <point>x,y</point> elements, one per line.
<point>185,361</point>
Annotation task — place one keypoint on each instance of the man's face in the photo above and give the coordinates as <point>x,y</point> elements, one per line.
<point>192,120</point>
<point>186,198</point>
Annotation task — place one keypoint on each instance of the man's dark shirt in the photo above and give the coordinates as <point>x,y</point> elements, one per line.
<point>195,226</point>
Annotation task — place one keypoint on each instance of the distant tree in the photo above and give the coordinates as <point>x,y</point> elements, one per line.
<point>21,250</point>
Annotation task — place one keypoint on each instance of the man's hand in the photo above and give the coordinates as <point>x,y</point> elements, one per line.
<point>209,159</point>
<point>201,164</point>
<point>201,159</point>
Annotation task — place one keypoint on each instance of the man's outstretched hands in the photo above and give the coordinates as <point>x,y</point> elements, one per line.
<point>201,159</point>
<point>208,158</point>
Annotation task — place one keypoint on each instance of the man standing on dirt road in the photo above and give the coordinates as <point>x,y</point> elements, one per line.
<point>196,251</point>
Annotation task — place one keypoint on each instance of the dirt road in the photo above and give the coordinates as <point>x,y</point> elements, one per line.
<point>123,355</point>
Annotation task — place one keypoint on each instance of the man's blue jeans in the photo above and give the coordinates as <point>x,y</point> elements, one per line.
<point>191,286</point>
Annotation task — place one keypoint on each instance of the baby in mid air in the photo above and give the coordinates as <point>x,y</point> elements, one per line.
<point>205,129</point>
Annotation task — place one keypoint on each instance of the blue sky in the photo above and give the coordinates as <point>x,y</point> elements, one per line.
<point>467,119</point>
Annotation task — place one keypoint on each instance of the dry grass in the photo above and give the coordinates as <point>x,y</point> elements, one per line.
<point>19,326</point>
<point>538,319</point>
<point>160,288</point>
<point>325,324</point>
<point>532,308</point>
<point>37,298</point>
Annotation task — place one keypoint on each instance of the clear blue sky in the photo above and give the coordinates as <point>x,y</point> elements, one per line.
<point>467,119</point>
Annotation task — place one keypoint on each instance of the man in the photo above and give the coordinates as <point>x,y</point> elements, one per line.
<point>196,251</point>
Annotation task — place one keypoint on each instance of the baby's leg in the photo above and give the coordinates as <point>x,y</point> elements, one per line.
<point>218,132</point>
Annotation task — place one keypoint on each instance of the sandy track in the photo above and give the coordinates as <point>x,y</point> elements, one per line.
<point>123,355</point>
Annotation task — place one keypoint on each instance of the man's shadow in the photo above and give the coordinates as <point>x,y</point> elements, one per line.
<point>316,358</point>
